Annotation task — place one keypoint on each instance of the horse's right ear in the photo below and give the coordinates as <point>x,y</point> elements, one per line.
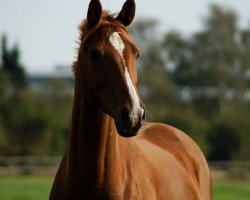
<point>94,12</point>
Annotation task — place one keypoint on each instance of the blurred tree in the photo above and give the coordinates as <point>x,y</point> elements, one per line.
<point>31,122</point>
<point>37,122</point>
<point>245,59</point>
<point>224,141</point>
<point>3,138</point>
<point>11,64</point>
<point>199,84</point>
<point>3,99</point>
<point>211,70</point>
<point>237,118</point>
<point>4,87</point>
<point>156,90</point>
<point>208,66</point>
<point>57,96</point>
<point>23,123</point>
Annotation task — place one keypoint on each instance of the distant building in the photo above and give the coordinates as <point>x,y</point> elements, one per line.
<point>38,79</point>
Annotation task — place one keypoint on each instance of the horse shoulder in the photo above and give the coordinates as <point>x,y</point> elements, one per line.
<point>185,151</point>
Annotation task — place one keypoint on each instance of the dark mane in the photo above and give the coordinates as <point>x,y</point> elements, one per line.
<point>84,30</point>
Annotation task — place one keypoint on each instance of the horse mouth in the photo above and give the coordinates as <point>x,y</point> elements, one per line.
<point>125,132</point>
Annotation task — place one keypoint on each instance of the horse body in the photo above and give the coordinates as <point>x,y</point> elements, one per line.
<point>160,163</point>
<point>156,165</point>
<point>103,161</point>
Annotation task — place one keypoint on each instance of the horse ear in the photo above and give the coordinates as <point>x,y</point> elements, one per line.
<point>127,13</point>
<point>94,12</point>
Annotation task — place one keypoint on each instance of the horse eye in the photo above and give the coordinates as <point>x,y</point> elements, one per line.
<point>94,55</point>
<point>138,55</point>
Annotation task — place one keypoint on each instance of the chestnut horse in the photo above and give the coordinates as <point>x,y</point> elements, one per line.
<point>103,161</point>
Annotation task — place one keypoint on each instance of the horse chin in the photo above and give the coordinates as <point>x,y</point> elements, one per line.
<point>125,133</point>
<point>122,129</point>
<point>128,133</point>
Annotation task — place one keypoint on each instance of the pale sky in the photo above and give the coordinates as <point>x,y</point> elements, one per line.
<point>46,30</point>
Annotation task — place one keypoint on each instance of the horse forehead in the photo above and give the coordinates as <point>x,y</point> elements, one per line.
<point>117,42</point>
<point>102,36</point>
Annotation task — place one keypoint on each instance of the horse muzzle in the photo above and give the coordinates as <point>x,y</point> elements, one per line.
<point>130,121</point>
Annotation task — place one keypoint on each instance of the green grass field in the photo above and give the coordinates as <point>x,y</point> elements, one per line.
<point>38,187</point>
<point>231,190</point>
<point>24,187</point>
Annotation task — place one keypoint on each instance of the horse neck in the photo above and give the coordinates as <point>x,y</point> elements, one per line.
<point>92,136</point>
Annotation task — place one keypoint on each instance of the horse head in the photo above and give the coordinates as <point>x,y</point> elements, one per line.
<point>108,70</point>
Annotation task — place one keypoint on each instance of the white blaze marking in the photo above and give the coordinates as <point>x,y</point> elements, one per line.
<point>119,45</point>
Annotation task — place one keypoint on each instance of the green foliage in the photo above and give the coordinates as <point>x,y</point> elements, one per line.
<point>3,99</point>
<point>11,64</point>
<point>155,87</point>
<point>238,119</point>
<point>31,122</point>
<point>199,84</point>
<point>37,124</point>
<point>224,140</point>
<point>209,64</point>
<point>3,138</point>
<point>57,96</point>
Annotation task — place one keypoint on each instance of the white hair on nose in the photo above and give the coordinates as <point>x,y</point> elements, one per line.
<point>119,45</point>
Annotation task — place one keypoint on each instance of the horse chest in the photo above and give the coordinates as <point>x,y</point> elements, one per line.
<point>147,175</point>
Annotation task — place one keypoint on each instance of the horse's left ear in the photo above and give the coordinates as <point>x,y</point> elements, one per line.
<point>127,13</point>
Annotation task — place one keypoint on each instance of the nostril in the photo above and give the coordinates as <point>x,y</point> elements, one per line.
<point>125,114</point>
<point>139,119</point>
<point>144,113</point>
